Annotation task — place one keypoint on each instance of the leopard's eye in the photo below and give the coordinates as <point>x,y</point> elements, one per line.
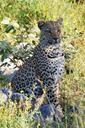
<point>58,30</point>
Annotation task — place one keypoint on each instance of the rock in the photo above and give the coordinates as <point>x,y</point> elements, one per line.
<point>4,95</point>
<point>46,110</point>
<point>17,97</point>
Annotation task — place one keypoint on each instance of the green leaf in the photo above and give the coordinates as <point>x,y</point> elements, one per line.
<point>9,28</point>
<point>4,45</point>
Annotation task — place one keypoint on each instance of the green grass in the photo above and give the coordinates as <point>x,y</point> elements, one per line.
<point>23,16</point>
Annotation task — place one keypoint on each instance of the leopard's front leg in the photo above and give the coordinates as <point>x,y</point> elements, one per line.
<point>53,95</point>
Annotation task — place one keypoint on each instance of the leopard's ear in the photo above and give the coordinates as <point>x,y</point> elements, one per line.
<point>40,24</point>
<point>60,21</point>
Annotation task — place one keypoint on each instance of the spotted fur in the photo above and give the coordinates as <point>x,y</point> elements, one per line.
<point>46,64</point>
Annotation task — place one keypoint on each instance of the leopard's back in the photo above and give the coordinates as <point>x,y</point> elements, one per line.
<point>24,77</point>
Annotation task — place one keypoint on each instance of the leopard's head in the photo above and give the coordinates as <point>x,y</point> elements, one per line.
<point>50,31</point>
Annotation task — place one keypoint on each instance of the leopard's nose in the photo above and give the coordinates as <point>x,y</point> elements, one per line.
<point>55,38</point>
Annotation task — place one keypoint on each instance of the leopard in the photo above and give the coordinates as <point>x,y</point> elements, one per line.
<point>46,65</point>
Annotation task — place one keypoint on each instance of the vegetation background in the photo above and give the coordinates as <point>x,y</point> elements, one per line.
<point>18,25</point>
